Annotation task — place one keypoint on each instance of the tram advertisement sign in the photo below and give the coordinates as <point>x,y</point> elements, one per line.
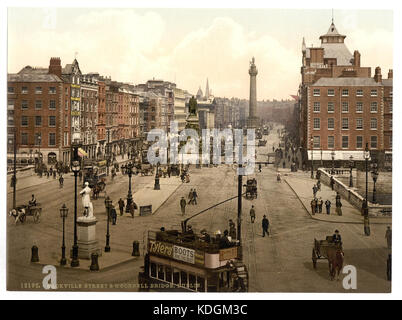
<point>184,254</point>
<point>161,248</point>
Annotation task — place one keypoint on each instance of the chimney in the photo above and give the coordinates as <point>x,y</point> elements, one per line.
<point>55,67</point>
<point>356,58</point>
<point>390,74</point>
<point>378,76</point>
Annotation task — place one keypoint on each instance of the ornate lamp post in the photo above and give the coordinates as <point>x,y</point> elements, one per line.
<point>374,175</point>
<point>333,162</point>
<point>63,215</point>
<point>75,168</point>
<point>351,165</point>
<point>108,203</point>
<point>366,158</point>
<point>129,171</point>
<point>312,161</point>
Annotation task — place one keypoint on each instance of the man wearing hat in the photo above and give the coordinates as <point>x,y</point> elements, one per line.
<point>183,204</point>
<point>336,238</point>
<point>265,226</point>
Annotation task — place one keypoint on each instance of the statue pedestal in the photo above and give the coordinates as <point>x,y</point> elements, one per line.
<point>86,237</point>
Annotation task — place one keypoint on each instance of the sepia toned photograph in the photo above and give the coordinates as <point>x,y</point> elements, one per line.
<point>229,150</point>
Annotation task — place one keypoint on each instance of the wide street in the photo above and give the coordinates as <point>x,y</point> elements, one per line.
<point>278,263</point>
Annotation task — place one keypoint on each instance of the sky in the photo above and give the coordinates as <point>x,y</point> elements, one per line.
<point>187,46</point>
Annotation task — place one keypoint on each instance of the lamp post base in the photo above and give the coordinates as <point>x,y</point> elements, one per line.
<point>74,261</point>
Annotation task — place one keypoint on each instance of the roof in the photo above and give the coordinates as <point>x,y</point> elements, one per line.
<point>332,31</point>
<point>31,70</point>
<point>357,82</point>
<point>338,51</point>
<point>387,82</point>
<point>32,77</point>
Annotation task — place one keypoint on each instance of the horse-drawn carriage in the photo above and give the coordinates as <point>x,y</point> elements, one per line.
<point>99,186</point>
<point>146,169</point>
<point>251,188</point>
<point>330,250</point>
<point>23,211</point>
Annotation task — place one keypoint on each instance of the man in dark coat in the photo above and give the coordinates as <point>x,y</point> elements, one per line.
<point>113,214</point>
<point>328,206</point>
<point>61,181</point>
<point>121,206</point>
<point>183,206</point>
<point>252,214</point>
<point>195,196</point>
<point>265,226</point>
<point>336,238</point>
<point>320,203</point>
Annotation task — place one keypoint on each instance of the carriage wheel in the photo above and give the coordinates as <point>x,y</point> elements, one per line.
<point>314,258</point>
<point>37,216</point>
<point>23,218</point>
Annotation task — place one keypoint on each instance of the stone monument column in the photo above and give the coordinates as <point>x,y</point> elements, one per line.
<point>252,116</point>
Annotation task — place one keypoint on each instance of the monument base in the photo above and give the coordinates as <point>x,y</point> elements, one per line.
<point>86,237</point>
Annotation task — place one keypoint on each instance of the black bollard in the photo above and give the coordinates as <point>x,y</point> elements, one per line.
<point>35,254</point>
<point>136,249</point>
<point>94,262</point>
<point>389,267</point>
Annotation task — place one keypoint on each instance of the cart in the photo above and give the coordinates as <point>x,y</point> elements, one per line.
<point>320,249</point>
<point>31,211</point>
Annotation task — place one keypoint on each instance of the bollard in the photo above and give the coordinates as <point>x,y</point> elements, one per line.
<point>94,262</point>
<point>136,249</point>
<point>35,254</point>
<point>389,267</point>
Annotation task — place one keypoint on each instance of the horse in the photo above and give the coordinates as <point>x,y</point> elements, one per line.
<point>335,261</point>
<point>17,214</point>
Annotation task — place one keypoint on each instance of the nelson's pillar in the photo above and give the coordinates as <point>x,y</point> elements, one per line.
<point>253,121</point>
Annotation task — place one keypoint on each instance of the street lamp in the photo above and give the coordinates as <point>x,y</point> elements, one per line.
<point>333,162</point>
<point>108,203</point>
<point>75,168</point>
<point>374,175</point>
<point>351,165</point>
<point>129,171</point>
<point>63,214</point>
<point>312,161</point>
<point>157,185</point>
<point>366,158</point>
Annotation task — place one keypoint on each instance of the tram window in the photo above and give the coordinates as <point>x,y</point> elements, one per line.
<point>161,273</point>
<point>183,277</point>
<point>200,284</point>
<point>176,277</point>
<point>192,281</point>
<point>213,284</point>
<point>168,274</point>
<point>153,270</point>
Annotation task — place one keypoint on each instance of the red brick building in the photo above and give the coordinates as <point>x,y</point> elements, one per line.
<point>341,106</point>
<point>38,108</point>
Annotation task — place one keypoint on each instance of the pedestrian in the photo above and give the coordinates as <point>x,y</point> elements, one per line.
<point>278,177</point>
<point>328,206</point>
<point>121,206</point>
<point>252,214</point>
<point>61,181</point>
<point>232,229</point>
<point>54,174</point>
<point>283,165</point>
<point>336,238</point>
<point>312,203</point>
<point>388,236</point>
<point>366,225</point>
<point>265,226</point>
<point>332,183</point>
<point>195,196</point>
<point>315,190</point>
<point>133,207</point>
<point>190,196</point>
<point>113,214</point>
<point>338,204</point>
<point>259,167</point>
<point>80,175</point>
<point>183,206</point>
<point>320,203</point>
<point>169,171</point>
<point>319,185</point>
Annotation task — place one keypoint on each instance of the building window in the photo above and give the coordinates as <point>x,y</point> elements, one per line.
<point>65,138</point>
<point>359,123</point>
<point>24,138</point>
<point>24,90</point>
<point>24,121</point>
<point>331,123</point>
<point>66,121</point>
<point>331,142</point>
<point>316,92</point>
<point>331,92</point>
<point>373,93</point>
<point>316,123</point>
<point>38,90</point>
<point>52,90</point>
<point>331,107</point>
<point>38,104</point>
<point>373,142</point>
<point>390,142</point>
<point>359,142</point>
<point>38,139</point>
<point>52,104</point>
<point>345,123</point>
<point>317,107</point>
<point>345,142</point>
<point>66,90</point>
<point>359,93</point>
<point>345,107</point>
<point>373,124</point>
<point>38,121</point>
<point>359,107</point>
<point>390,106</point>
<point>373,107</point>
<point>316,142</point>
<point>345,93</point>
<point>66,106</point>
<point>52,139</point>
<point>10,90</point>
<point>24,104</point>
<point>52,121</point>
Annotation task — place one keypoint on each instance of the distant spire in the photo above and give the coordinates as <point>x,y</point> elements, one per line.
<point>303,46</point>
<point>207,90</point>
